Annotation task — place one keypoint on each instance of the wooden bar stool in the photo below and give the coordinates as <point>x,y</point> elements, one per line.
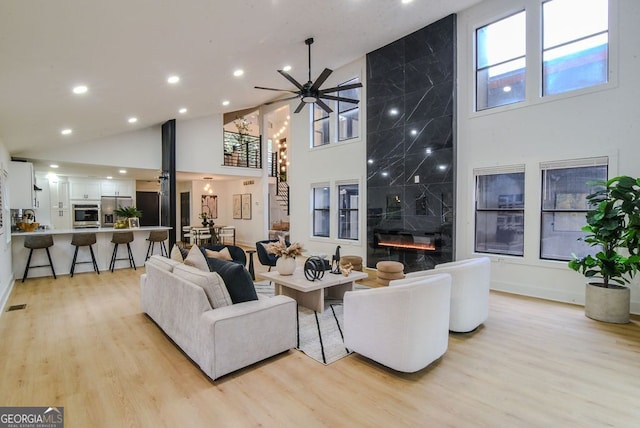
<point>83,240</point>
<point>122,238</point>
<point>37,242</point>
<point>157,236</point>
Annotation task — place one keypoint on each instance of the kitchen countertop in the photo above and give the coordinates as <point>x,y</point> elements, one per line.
<point>88,230</point>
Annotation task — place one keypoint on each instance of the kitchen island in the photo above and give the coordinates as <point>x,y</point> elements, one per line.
<point>62,250</point>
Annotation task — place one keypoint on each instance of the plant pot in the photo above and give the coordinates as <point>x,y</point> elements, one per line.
<point>286,265</point>
<point>611,304</point>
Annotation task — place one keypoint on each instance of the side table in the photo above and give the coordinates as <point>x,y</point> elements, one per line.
<point>251,270</point>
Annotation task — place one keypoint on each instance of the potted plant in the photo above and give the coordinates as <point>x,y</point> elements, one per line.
<point>613,226</point>
<point>286,262</point>
<point>126,213</point>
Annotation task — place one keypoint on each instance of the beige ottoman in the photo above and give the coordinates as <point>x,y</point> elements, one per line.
<point>356,262</point>
<point>389,270</point>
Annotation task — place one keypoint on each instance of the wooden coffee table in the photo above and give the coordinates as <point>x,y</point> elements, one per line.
<point>311,294</point>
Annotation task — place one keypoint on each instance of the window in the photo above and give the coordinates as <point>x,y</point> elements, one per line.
<point>348,113</point>
<point>321,213</point>
<point>348,211</point>
<point>500,62</point>
<point>575,45</point>
<point>320,127</point>
<point>500,212</point>
<point>564,206</point>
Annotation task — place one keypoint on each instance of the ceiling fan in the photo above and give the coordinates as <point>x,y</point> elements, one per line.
<point>310,92</point>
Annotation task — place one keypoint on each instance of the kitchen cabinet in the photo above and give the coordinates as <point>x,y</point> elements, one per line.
<point>60,219</point>
<point>118,188</point>
<point>59,195</point>
<point>21,186</point>
<point>85,190</point>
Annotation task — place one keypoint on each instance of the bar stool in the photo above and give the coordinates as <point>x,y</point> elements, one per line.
<point>157,236</point>
<point>83,240</point>
<point>122,238</point>
<point>37,242</point>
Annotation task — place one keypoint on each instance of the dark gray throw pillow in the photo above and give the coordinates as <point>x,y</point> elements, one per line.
<point>236,278</point>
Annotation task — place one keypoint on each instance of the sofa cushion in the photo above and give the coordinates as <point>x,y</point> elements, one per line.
<point>223,254</point>
<point>196,259</point>
<point>176,254</point>
<point>236,278</point>
<point>211,282</point>
<point>163,262</point>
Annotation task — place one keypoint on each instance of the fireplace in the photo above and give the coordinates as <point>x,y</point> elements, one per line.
<point>417,250</point>
<point>405,240</point>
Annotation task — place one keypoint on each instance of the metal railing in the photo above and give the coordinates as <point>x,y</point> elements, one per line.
<point>242,150</point>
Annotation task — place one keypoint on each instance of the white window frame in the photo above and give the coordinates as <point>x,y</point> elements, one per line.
<point>357,209</point>
<point>314,209</point>
<point>334,118</point>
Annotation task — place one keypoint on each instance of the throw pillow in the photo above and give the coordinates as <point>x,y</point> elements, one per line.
<point>211,282</point>
<point>236,278</point>
<point>162,262</point>
<point>196,259</point>
<point>176,254</point>
<point>223,254</point>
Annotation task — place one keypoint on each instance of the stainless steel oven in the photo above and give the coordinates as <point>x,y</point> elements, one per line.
<point>86,215</point>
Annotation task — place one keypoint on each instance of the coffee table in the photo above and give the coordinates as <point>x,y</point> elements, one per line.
<point>311,294</point>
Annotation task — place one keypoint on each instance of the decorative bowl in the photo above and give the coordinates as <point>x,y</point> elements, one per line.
<point>27,227</point>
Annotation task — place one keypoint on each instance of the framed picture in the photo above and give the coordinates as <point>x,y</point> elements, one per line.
<point>237,206</point>
<point>134,222</point>
<point>210,205</point>
<point>246,206</point>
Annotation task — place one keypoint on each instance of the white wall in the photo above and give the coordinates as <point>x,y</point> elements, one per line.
<point>6,271</point>
<point>600,122</point>
<point>331,164</point>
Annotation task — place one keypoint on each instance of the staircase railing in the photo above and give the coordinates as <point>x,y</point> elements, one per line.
<point>282,194</point>
<point>242,150</point>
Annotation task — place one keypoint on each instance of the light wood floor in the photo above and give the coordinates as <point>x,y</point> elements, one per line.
<point>84,344</point>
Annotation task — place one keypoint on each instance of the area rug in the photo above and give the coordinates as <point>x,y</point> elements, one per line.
<point>320,336</point>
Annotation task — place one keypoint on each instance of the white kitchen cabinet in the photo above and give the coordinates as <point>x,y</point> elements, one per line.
<point>60,219</point>
<point>85,190</point>
<point>21,186</point>
<point>118,188</point>
<point>59,195</point>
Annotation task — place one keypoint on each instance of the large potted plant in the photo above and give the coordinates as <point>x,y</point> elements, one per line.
<point>613,226</point>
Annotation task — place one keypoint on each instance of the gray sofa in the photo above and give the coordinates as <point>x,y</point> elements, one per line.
<point>219,340</point>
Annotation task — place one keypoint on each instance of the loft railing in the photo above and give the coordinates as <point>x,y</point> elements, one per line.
<point>273,164</point>
<point>242,150</point>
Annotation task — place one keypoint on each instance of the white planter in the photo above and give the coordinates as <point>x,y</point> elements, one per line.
<point>286,265</point>
<point>608,304</point>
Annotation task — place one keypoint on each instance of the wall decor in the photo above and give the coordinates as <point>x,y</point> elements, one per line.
<point>210,205</point>
<point>237,206</point>
<point>134,222</point>
<point>246,206</point>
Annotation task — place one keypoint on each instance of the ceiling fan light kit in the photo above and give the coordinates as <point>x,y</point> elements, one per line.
<point>310,92</point>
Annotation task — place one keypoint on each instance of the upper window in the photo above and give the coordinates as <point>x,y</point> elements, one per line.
<point>565,187</point>
<point>348,211</point>
<point>321,211</point>
<point>348,113</point>
<point>500,62</point>
<point>320,126</point>
<point>575,45</point>
<point>500,213</point>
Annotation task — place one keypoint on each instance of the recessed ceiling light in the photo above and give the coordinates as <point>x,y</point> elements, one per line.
<point>406,1</point>
<point>66,131</point>
<point>109,177</point>
<point>123,171</point>
<point>239,72</point>
<point>132,119</point>
<point>182,110</point>
<point>225,103</point>
<point>80,89</point>
<point>53,165</point>
<point>173,79</point>
<point>286,68</point>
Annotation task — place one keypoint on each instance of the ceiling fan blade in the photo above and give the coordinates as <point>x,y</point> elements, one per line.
<point>282,99</point>
<point>290,79</point>
<point>320,80</point>
<point>300,107</point>
<point>343,99</point>
<point>274,89</point>
<point>341,88</point>
<point>323,106</point>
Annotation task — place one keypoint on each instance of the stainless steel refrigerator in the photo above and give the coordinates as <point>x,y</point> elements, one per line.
<point>109,204</point>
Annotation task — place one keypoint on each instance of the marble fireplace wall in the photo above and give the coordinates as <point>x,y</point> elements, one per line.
<point>410,144</point>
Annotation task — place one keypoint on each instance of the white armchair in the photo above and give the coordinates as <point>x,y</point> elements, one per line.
<point>471,279</point>
<point>405,327</point>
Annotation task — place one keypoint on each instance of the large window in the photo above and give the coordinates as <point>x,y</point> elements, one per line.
<point>348,113</point>
<point>321,211</point>
<point>575,44</point>
<point>320,127</point>
<point>500,62</point>
<point>348,211</point>
<point>564,205</point>
<point>500,212</point>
